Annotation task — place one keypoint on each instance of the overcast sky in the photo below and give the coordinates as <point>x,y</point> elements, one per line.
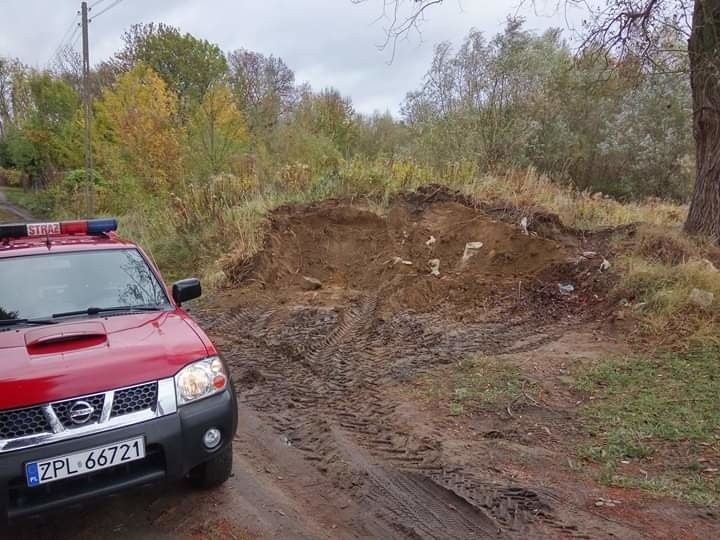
<point>326,42</point>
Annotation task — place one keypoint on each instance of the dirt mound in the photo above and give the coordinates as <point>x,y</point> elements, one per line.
<point>430,245</point>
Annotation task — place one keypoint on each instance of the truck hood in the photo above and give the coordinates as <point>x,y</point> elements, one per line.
<point>59,361</point>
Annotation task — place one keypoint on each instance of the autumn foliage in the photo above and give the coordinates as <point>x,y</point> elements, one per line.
<point>190,144</point>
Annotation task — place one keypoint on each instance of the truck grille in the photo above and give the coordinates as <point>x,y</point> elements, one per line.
<point>135,399</point>
<point>62,410</point>
<point>23,422</point>
<point>33,421</point>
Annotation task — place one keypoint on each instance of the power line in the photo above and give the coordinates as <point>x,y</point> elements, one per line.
<point>67,37</point>
<point>77,37</point>
<point>73,36</point>
<point>73,25</point>
<point>115,3</point>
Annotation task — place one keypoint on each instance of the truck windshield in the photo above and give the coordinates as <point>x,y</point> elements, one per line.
<point>40,286</point>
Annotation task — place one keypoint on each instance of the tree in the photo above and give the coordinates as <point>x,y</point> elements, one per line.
<point>520,99</point>
<point>136,123</point>
<point>41,139</point>
<point>217,131</point>
<point>637,28</point>
<point>188,65</point>
<point>264,86</point>
<point>704,48</point>
<point>329,114</point>
<point>483,103</point>
<point>15,94</point>
<point>380,136</point>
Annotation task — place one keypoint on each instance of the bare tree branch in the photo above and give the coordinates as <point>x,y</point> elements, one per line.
<point>639,29</point>
<point>402,17</point>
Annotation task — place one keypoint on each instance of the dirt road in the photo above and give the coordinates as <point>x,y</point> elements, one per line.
<point>321,452</point>
<point>337,438</point>
<point>330,446</point>
<point>9,211</point>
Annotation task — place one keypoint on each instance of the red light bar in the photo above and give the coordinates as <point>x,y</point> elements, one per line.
<point>34,230</point>
<point>74,227</point>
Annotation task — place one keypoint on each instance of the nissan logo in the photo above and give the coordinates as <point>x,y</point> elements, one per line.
<point>80,412</point>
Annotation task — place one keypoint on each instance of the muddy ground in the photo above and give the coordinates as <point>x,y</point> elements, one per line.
<point>337,437</point>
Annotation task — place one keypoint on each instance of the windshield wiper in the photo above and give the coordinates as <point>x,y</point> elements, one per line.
<point>97,310</point>
<point>13,322</point>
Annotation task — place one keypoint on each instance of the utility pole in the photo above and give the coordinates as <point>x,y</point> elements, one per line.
<point>89,188</point>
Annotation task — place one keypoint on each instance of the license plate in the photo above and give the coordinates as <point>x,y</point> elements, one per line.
<point>102,457</point>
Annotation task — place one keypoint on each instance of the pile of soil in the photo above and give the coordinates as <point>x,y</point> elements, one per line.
<point>353,248</point>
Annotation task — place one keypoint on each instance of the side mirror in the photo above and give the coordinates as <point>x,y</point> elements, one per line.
<point>186,289</point>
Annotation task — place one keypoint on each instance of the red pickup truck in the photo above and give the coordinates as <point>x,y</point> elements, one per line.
<point>106,383</point>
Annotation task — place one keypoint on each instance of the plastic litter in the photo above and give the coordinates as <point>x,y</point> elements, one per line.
<point>524,226</point>
<point>471,248</point>
<point>568,288</point>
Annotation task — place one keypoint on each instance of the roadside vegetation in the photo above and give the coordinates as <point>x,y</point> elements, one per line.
<point>192,155</point>
<point>671,282</point>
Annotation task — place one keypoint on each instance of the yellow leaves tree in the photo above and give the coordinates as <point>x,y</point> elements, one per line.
<point>218,132</point>
<point>137,128</point>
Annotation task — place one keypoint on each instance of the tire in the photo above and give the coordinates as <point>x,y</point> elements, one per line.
<point>213,473</point>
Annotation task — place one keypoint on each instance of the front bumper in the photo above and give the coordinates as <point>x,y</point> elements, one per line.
<point>173,446</point>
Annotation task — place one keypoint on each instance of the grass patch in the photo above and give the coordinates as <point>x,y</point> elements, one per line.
<point>479,383</point>
<point>643,407</point>
<point>672,283</point>
<point>579,209</point>
<point>687,486</point>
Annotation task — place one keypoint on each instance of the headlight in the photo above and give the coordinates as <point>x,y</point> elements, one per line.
<point>200,379</point>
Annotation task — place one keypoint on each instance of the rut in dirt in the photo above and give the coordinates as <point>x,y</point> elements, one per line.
<point>328,399</point>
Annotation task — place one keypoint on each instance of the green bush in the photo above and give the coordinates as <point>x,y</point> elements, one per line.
<point>11,177</point>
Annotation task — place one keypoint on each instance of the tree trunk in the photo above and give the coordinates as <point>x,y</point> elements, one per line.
<point>704,50</point>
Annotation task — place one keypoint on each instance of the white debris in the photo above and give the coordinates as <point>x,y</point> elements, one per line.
<point>434,265</point>
<point>568,288</point>
<point>471,248</point>
<point>431,241</point>
<point>604,265</point>
<point>524,226</point>
<point>589,254</point>
<point>701,298</point>
<point>398,260</point>
<point>311,284</point>
<point>610,503</point>
<point>708,265</point>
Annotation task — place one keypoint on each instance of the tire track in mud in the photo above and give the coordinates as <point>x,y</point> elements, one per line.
<point>322,374</point>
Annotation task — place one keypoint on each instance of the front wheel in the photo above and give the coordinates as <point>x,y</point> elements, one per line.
<point>213,473</point>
